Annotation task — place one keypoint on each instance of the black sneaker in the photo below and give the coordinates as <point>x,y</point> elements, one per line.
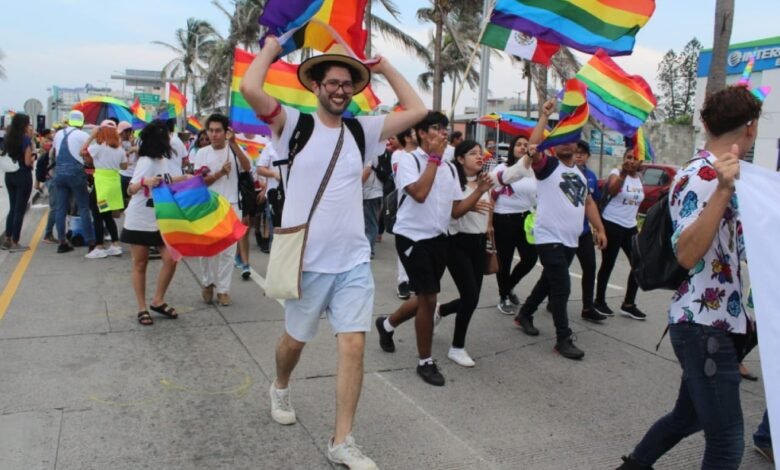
<point>430,373</point>
<point>526,323</point>
<point>567,349</point>
<point>385,337</point>
<point>593,316</point>
<point>154,253</point>
<point>630,464</point>
<point>506,306</point>
<point>513,298</point>
<point>64,248</point>
<point>403,291</point>
<point>633,312</point>
<point>603,309</point>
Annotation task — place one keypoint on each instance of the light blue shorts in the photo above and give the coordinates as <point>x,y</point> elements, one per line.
<point>347,299</point>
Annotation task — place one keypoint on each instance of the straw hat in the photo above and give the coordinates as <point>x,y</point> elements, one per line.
<point>304,70</point>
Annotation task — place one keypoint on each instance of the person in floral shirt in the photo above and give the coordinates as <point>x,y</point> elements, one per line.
<point>707,317</point>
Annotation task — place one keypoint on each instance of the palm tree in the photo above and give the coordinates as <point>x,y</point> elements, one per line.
<point>390,31</point>
<point>724,18</point>
<point>193,47</point>
<point>454,62</point>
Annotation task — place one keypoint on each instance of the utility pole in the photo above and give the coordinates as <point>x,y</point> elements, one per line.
<point>484,74</point>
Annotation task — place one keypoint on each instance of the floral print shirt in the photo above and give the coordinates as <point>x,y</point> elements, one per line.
<point>712,293</point>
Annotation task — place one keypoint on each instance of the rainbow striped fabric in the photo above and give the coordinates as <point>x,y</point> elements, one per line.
<point>344,16</point>
<point>176,100</point>
<point>242,117</point>
<point>573,114</point>
<point>622,102</point>
<point>251,147</point>
<point>194,221</point>
<point>643,151</point>
<point>193,125</point>
<point>585,25</point>
<point>508,123</point>
<point>140,118</point>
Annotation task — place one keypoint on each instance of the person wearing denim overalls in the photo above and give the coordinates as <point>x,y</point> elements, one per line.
<point>70,180</point>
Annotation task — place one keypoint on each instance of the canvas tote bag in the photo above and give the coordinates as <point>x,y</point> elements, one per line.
<point>285,264</point>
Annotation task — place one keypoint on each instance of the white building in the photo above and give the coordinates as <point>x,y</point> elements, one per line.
<point>766,152</point>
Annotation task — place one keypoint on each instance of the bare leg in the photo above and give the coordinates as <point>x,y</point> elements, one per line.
<point>423,324</point>
<point>243,244</point>
<point>406,311</point>
<point>288,352</point>
<point>140,256</point>
<point>349,382</point>
<point>167,270</point>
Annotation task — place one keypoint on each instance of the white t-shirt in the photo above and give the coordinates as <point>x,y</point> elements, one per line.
<point>178,152</point>
<point>336,241</point>
<point>561,195</point>
<point>449,154</point>
<point>372,188</point>
<point>431,218</point>
<point>226,185</point>
<point>267,156</point>
<point>106,157</point>
<point>473,222</point>
<point>137,215</point>
<point>76,139</point>
<point>623,206</point>
<point>516,197</point>
<point>132,158</point>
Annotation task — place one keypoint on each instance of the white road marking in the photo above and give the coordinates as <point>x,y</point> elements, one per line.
<point>578,276</point>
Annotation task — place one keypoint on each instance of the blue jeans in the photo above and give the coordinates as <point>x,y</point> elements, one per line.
<point>76,186</point>
<point>555,284</point>
<point>708,400</point>
<point>52,208</point>
<point>371,208</point>
<point>762,437</point>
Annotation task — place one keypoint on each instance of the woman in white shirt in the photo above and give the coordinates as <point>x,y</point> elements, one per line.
<point>105,148</point>
<point>468,236</point>
<point>141,230</point>
<point>625,192</point>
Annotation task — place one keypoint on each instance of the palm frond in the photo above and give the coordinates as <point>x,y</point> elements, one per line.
<point>393,33</point>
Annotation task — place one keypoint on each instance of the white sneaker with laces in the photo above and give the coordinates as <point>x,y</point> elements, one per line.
<point>114,250</point>
<point>349,454</point>
<point>96,253</point>
<point>436,317</point>
<point>281,407</point>
<point>460,357</point>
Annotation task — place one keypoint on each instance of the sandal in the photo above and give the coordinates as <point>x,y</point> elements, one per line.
<point>145,319</point>
<point>165,311</point>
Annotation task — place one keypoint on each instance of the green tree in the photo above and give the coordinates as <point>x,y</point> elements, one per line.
<point>724,19</point>
<point>689,65</point>
<point>193,48</point>
<point>669,78</point>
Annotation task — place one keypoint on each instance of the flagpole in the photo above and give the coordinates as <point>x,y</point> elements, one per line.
<point>484,73</point>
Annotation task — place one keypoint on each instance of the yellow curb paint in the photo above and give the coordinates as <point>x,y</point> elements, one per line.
<point>16,278</point>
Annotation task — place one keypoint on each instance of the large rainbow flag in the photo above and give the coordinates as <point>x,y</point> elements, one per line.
<point>508,123</point>
<point>194,221</point>
<point>242,117</point>
<point>574,114</point>
<point>176,100</point>
<point>622,102</point>
<point>345,17</point>
<point>585,25</point>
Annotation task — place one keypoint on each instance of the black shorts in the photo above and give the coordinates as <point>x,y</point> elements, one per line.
<point>139,237</point>
<point>424,262</point>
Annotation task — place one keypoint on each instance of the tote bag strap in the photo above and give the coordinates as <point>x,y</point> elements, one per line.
<point>328,173</point>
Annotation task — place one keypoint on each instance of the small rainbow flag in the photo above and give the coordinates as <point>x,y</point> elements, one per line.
<point>573,116</point>
<point>140,119</point>
<point>194,221</point>
<point>508,123</point>
<point>252,148</point>
<point>176,100</point>
<point>345,17</point>
<point>193,125</point>
<point>643,151</point>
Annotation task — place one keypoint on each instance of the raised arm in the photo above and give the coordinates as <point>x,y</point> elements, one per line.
<point>264,105</point>
<point>414,109</point>
<point>243,160</point>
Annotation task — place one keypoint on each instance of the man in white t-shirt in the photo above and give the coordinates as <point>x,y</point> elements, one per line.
<point>372,198</point>
<point>408,142</point>
<point>563,200</point>
<point>336,275</point>
<point>455,139</point>
<point>272,176</point>
<point>178,150</point>
<point>220,162</point>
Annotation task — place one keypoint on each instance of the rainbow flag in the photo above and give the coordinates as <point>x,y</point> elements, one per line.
<point>508,123</point>
<point>140,118</point>
<point>345,17</point>
<point>252,148</point>
<point>193,125</point>
<point>574,114</point>
<point>242,117</point>
<point>643,151</point>
<point>585,25</point>
<point>194,221</point>
<point>176,100</point>
<point>622,102</point>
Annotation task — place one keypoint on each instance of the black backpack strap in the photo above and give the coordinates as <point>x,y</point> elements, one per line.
<point>304,128</point>
<point>357,133</point>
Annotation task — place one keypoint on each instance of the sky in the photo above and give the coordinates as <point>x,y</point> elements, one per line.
<point>70,43</point>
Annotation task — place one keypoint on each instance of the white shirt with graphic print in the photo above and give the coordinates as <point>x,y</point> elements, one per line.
<point>624,206</point>
<point>561,192</point>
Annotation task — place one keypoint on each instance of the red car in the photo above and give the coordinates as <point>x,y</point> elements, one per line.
<point>656,179</point>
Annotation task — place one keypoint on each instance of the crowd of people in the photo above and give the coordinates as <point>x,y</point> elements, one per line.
<point>454,199</point>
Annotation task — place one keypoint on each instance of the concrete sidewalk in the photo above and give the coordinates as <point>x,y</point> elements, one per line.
<point>84,386</point>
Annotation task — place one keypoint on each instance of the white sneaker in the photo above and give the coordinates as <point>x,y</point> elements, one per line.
<point>281,408</point>
<point>460,357</point>
<point>96,253</point>
<point>349,454</point>
<point>114,250</point>
<point>436,317</point>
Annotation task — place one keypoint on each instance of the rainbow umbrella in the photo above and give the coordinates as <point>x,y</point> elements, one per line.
<point>98,108</point>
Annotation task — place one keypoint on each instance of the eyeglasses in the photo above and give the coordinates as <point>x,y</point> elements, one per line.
<point>439,128</point>
<point>331,86</point>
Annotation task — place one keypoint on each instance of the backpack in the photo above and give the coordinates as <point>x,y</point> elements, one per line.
<point>304,128</point>
<point>653,262</point>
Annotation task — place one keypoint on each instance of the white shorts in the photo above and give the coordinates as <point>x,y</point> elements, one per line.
<point>346,298</point>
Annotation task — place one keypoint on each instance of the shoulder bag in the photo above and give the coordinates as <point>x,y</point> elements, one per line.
<point>285,264</point>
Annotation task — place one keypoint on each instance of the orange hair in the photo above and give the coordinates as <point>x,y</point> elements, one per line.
<point>108,136</point>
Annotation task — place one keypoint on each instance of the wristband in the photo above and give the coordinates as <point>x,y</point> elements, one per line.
<point>268,118</point>
<point>435,159</point>
<point>142,182</point>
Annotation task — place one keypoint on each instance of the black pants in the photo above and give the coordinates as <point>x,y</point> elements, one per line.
<point>99,219</point>
<point>19,186</point>
<point>617,238</point>
<point>510,236</point>
<point>466,264</point>
<point>586,255</point>
<point>555,284</point>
